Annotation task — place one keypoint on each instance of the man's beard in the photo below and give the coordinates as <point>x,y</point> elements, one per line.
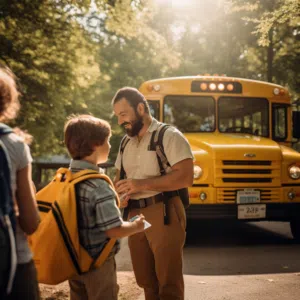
<point>136,126</point>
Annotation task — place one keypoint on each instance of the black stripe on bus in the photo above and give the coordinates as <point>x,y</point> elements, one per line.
<point>65,235</point>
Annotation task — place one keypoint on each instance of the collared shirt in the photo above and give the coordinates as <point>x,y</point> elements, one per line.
<point>97,210</point>
<point>141,163</point>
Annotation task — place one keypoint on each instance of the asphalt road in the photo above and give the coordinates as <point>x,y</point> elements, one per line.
<point>234,261</point>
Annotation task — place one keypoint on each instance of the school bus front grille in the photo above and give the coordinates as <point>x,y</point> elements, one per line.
<point>228,195</point>
<point>242,173</point>
<point>247,162</point>
<point>247,180</point>
<point>246,171</point>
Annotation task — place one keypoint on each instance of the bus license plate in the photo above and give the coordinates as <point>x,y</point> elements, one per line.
<point>247,196</point>
<point>254,211</point>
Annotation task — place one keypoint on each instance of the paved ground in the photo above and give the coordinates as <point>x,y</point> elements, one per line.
<point>234,261</point>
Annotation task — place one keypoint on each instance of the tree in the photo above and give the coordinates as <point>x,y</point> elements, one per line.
<point>276,27</point>
<point>53,55</point>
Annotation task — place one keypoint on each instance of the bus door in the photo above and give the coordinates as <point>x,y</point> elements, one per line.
<point>279,122</point>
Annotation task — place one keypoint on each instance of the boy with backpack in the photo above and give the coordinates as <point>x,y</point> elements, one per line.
<point>99,218</point>
<point>152,186</point>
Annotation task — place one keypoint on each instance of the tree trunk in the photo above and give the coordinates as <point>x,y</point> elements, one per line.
<point>270,57</point>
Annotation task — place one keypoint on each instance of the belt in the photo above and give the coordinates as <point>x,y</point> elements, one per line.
<point>145,202</point>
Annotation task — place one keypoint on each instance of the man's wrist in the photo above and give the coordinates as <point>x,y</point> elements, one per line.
<point>144,185</point>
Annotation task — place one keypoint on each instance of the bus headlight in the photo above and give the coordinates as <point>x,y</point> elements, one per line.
<point>197,172</point>
<point>294,172</point>
<point>156,87</point>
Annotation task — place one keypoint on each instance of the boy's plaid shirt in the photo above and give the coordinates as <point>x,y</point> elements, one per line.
<point>97,210</point>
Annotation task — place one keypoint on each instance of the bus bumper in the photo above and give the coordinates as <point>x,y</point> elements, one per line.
<point>274,212</point>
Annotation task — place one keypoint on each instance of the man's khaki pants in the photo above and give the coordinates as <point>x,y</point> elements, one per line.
<point>156,253</point>
<point>97,284</point>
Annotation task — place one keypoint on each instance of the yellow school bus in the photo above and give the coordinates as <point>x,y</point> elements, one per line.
<point>241,133</point>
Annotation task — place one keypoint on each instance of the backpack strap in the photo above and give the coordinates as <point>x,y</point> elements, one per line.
<point>4,129</point>
<point>65,174</point>
<point>156,144</point>
<point>7,212</point>
<point>5,207</point>
<point>104,253</point>
<point>123,144</point>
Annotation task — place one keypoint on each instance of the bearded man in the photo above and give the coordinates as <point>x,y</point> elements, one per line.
<point>156,253</point>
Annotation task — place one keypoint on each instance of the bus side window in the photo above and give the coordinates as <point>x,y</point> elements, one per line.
<point>279,122</point>
<point>168,114</point>
<point>154,108</point>
<point>256,117</point>
<point>225,124</point>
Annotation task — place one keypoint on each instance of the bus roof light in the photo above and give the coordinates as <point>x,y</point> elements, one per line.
<point>203,86</point>
<point>230,87</point>
<point>221,87</point>
<point>156,87</point>
<point>212,86</point>
<point>207,86</point>
<point>276,91</point>
<point>150,87</point>
<point>282,92</point>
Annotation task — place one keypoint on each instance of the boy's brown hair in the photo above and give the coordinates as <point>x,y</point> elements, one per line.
<point>9,95</point>
<point>83,133</point>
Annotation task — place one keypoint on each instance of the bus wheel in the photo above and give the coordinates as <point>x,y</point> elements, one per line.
<point>295,229</point>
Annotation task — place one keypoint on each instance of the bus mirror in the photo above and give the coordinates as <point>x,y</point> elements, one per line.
<point>296,124</point>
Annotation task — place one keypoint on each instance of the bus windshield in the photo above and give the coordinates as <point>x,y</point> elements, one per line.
<point>190,113</point>
<point>244,115</point>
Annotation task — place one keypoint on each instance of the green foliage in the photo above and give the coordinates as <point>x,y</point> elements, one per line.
<point>72,56</point>
<point>54,58</point>
<point>276,27</point>
<point>267,15</point>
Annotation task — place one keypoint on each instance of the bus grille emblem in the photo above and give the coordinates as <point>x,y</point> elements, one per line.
<point>250,155</point>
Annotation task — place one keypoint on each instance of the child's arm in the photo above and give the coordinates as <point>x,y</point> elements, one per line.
<point>28,212</point>
<point>127,228</point>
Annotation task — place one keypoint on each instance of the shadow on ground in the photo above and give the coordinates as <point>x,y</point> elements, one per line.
<point>231,233</point>
<point>231,248</point>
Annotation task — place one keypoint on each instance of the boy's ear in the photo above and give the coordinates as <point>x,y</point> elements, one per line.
<point>95,148</point>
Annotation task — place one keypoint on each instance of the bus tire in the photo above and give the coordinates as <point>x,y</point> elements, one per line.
<point>295,229</point>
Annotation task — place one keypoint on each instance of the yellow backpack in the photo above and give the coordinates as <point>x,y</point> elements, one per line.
<point>57,252</point>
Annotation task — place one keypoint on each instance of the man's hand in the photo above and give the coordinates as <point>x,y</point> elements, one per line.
<point>129,186</point>
<point>124,198</point>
